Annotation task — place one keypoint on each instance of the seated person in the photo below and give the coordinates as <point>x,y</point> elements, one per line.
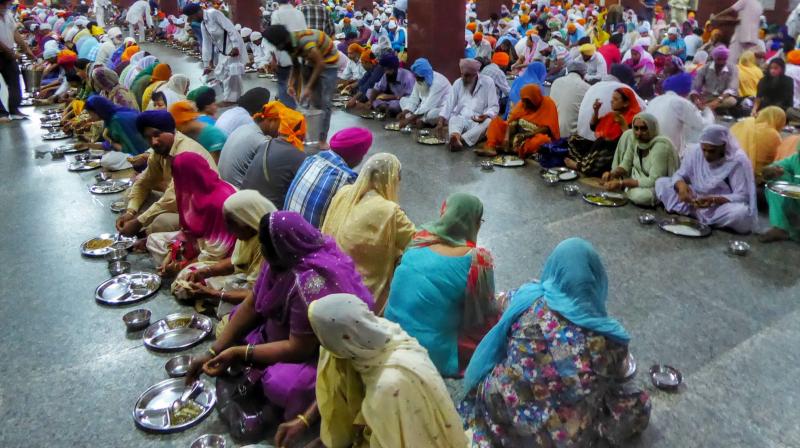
<point>425,103</point>
<point>158,129</point>
<point>205,101</point>
<point>593,158</point>
<point>442,292</point>
<point>270,331</point>
<point>369,225</point>
<point>775,88</point>
<point>714,184</point>
<point>532,123</point>
<point>679,119</point>
<point>470,106</point>
<point>187,122</point>
<point>596,68</point>
<point>716,84</point>
<point>642,157</point>
<point>354,71</point>
<point>567,357</point>
<point>760,137</point>
<point>494,69</point>
<point>227,282</point>
<point>364,361</point>
<point>373,72</point>
<point>784,213</point>
<point>203,235</point>
<point>396,83</point>
<point>120,132</point>
<point>323,174</point>
<point>249,104</point>
<point>568,92</point>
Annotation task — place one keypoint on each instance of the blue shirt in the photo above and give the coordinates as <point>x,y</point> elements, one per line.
<point>677,44</point>
<point>318,179</point>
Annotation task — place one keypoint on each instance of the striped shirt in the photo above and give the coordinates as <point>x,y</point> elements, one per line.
<point>307,40</point>
<point>317,180</point>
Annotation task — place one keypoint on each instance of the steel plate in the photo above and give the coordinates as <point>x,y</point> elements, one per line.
<point>118,241</point>
<point>392,126</point>
<point>508,161</point>
<point>605,199</point>
<point>685,227</point>
<point>430,140</point>
<point>564,173</point>
<point>110,186</point>
<point>177,331</point>
<point>151,412</point>
<point>127,288</point>
<point>71,149</point>
<point>56,136</point>
<point>83,165</point>
<point>785,189</point>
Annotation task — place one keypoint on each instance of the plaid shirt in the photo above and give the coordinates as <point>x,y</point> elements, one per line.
<point>318,179</point>
<point>317,17</point>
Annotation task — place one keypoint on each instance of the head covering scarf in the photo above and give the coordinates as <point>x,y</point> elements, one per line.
<point>458,225</point>
<point>545,113</point>
<point>292,127</point>
<point>247,207</point>
<point>87,49</point>
<point>760,137</point>
<point>574,284</point>
<point>607,128</point>
<point>749,74</point>
<point>535,73</point>
<point>351,144</point>
<point>157,119</point>
<point>645,64</point>
<point>161,72</point>
<point>680,84</point>
<point>183,112</point>
<point>104,108</point>
<point>175,89</point>
<point>469,66</point>
<point>200,195</point>
<point>421,67</point>
<point>359,351</point>
<point>128,53</point>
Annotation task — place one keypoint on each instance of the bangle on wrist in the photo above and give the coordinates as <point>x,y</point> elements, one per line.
<point>212,352</point>
<point>248,353</point>
<point>303,419</point>
<point>222,296</point>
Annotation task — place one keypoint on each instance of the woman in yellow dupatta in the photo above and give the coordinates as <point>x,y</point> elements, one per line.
<point>760,137</point>
<point>749,75</point>
<point>368,224</point>
<point>279,121</point>
<point>376,386</point>
<point>229,281</point>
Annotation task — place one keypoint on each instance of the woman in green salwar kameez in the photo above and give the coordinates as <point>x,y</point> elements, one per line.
<point>642,157</point>
<point>784,213</point>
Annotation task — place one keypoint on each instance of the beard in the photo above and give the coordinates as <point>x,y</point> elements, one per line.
<point>391,78</point>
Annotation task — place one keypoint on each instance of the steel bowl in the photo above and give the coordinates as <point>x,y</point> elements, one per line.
<point>116,268</point>
<point>116,253</point>
<point>102,177</point>
<point>737,247</point>
<point>137,319</point>
<point>407,130</point>
<point>665,377</point>
<point>209,441</point>
<point>646,219</point>
<point>57,154</point>
<point>550,179</point>
<point>178,366</point>
<point>487,165</point>
<point>571,190</point>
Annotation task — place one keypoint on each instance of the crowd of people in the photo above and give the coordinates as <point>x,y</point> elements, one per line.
<point>344,310</point>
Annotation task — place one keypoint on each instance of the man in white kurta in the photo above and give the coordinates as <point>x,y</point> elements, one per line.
<point>568,92</point>
<point>101,9</point>
<point>470,106</point>
<point>261,56</point>
<point>111,41</point>
<point>429,95</point>
<point>679,119</point>
<point>223,50</point>
<point>745,36</point>
<point>139,15</point>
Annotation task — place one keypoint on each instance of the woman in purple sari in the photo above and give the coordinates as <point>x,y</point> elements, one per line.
<point>270,331</point>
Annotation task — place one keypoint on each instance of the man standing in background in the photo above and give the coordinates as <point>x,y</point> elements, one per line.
<point>288,16</point>
<point>138,14</point>
<point>9,67</point>
<point>317,17</point>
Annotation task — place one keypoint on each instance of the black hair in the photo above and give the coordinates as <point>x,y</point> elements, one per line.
<point>584,40</point>
<point>616,39</point>
<point>158,96</point>
<point>277,35</point>
<point>72,77</point>
<point>494,16</point>
<point>351,35</point>
<point>82,63</point>
<point>267,246</point>
<point>483,60</point>
<point>205,99</point>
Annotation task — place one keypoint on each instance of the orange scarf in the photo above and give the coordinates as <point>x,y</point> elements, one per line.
<point>607,128</point>
<point>293,123</point>
<point>545,114</point>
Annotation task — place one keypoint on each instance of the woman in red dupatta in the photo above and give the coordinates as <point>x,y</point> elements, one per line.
<point>532,123</point>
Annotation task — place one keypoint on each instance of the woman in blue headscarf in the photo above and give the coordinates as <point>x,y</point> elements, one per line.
<point>120,131</point>
<point>534,74</point>
<point>547,374</point>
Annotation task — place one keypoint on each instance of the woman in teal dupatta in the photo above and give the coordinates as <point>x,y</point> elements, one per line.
<point>120,125</point>
<point>442,292</point>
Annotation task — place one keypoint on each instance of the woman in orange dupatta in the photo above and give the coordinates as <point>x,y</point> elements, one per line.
<point>532,123</point>
<point>595,158</point>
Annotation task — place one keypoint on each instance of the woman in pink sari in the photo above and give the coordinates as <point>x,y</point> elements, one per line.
<point>200,195</point>
<point>644,70</point>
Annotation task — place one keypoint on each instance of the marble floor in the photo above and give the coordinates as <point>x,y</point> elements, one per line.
<point>70,374</point>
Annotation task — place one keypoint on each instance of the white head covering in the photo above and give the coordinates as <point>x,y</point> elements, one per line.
<point>45,26</point>
<point>248,207</point>
<point>392,25</point>
<point>255,36</point>
<point>245,32</point>
<point>238,27</point>
<point>114,32</point>
<point>81,21</point>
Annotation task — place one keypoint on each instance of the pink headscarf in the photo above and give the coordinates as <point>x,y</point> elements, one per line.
<point>200,195</point>
<point>351,144</point>
<point>646,63</point>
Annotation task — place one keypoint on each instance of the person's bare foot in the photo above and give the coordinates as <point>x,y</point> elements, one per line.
<point>455,143</point>
<point>5,119</point>
<point>485,152</point>
<point>571,164</point>
<point>774,235</point>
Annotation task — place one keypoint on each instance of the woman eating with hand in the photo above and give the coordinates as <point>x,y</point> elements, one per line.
<point>368,224</point>
<point>442,292</point>
<point>270,331</point>
<point>642,157</point>
<point>548,373</point>
<point>120,133</point>
<point>532,123</point>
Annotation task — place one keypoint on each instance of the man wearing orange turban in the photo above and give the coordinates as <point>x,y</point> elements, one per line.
<point>501,59</point>
<point>278,121</point>
<point>472,26</point>
<point>793,57</point>
<point>129,52</point>
<point>483,49</point>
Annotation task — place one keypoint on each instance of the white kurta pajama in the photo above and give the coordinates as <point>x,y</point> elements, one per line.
<point>100,8</point>
<point>462,105</point>
<point>427,101</point>
<point>138,15</point>
<point>219,39</point>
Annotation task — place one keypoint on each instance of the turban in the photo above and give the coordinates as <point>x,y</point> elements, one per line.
<point>81,21</point>
<point>422,68</point>
<point>158,119</point>
<point>532,32</point>
<point>673,30</point>
<point>472,26</point>
<point>358,23</point>
<point>192,95</point>
<point>588,49</point>
<point>255,36</point>
<point>355,48</point>
<point>351,144</point>
<point>501,59</point>
<point>50,53</point>
<point>161,72</point>
<point>129,52</point>
<point>680,84</point>
<point>469,66</point>
<point>793,57</point>
<point>389,60</point>
<point>367,56</point>
<point>571,27</point>
<point>346,20</point>
<point>191,9</point>
<point>45,27</point>
<point>114,32</point>
<point>477,37</point>
<point>292,125</point>
<point>246,32</point>
<point>254,99</point>
<point>183,112</point>
<point>582,21</point>
<point>721,51</point>
<point>576,66</point>
<point>67,59</point>
<point>97,31</point>
<point>524,19</point>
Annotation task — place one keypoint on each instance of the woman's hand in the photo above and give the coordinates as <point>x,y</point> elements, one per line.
<point>289,432</point>
<point>195,368</point>
<point>199,289</point>
<point>613,185</point>
<point>197,276</point>
<point>772,172</point>
<point>169,268</point>
<point>597,105</point>
<point>217,365</point>
<point>686,195</point>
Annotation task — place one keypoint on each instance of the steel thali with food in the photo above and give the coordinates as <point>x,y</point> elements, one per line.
<point>605,199</point>
<point>177,331</point>
<point>785,189</point>
<point>685,227</point>
<point>564,173</point>
<point>102,244</point>
<point>152,411</point>
<point>110,186</point>
<point>127,288</point>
